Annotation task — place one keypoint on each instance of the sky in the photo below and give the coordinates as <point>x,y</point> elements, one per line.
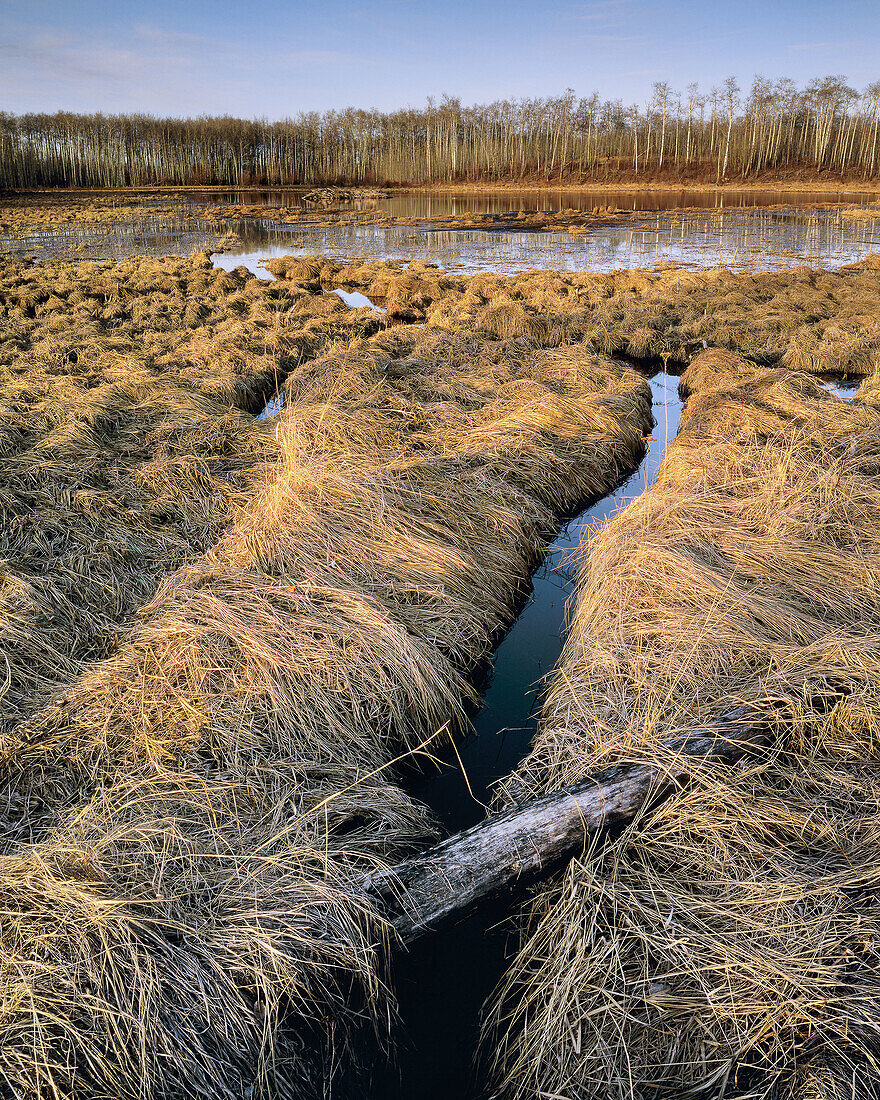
<point>276,58</point>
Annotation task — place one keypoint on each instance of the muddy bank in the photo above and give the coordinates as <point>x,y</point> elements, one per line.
<point>727,939</point>
<point>794,182</point>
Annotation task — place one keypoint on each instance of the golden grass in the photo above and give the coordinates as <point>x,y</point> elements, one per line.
<point>727,942</point>
<point>816,321</point>
<point>222,633</point>
<point>320,214</point>
<point>24,215</point>
<point>184,822</point>
<point>126,443</point>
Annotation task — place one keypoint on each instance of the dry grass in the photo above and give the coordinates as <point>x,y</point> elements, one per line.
<point>300,602</point>
<point>815,321</point>
<point>184,824</point>
<point>24,215</point>
<point>728,942</point>
<point>332,213</point>
<point>101,496</point>
<point>126,440</point>
<point>226,334</point>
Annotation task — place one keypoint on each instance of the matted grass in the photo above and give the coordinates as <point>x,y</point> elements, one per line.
<point>815,321</point>
<point>185,825</point>
<point>126,440</point>
<point>221,635</point>
<point>727,942</point>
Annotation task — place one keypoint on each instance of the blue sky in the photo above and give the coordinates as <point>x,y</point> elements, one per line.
<point>269,58</point>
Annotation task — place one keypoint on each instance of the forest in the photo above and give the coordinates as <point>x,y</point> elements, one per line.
<point>772,128</point>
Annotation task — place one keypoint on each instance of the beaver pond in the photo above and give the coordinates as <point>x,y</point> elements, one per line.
<point>741,230</point>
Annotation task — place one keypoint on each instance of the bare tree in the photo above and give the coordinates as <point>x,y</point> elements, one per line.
<point>826,125</point>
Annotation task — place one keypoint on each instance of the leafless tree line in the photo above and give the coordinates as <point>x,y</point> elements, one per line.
<point>723,134</point>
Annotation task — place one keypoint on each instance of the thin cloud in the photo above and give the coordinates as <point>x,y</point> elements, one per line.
<point>66,71</point>
<point>158,34</point>
<point>159,71</point>
<point>320,58</point>
<point>604,13</point>
<point>44,54</point>
<point>818,46</point>
<point>557,41</point>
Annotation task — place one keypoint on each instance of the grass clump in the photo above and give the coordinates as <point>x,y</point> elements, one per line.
<point>813,321</point>
<point>185,825</point>
<point>126,439</point>
<point>726,943</point>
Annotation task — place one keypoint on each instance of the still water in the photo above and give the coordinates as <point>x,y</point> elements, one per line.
<point>432,204</point>
<point>739,229</point>
<point>741,240</point>
<point>444,980</point>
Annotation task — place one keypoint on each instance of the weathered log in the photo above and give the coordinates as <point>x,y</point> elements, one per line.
<point>508,851</point>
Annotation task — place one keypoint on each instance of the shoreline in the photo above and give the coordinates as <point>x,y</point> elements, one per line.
<point>629,187</point>
<point>864,187</point>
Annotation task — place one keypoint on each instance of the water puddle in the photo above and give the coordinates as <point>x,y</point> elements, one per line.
<point>442,983</point>
<point>273,406</point>
<point>165,234</point>
<point>841,386</point>
<point>355,300</point>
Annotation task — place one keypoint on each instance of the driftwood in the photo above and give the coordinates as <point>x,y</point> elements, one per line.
<point>508,851</point>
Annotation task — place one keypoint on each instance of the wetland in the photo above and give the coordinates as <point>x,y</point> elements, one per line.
<point>331,528</point>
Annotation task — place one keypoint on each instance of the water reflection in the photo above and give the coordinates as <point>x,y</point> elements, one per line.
<point>442,982</point>
<point>160,234</point>
<point>355,300</point>
<point>532,647</point>
<point>743,240</point>
<point>729,231</point>
<point>431,204</point>
<point>842,387</point>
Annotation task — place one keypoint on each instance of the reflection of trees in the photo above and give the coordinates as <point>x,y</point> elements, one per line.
<point>741,239</point>
<point>746,239</point>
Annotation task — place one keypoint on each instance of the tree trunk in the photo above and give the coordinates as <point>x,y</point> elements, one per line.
<point>508,851</point>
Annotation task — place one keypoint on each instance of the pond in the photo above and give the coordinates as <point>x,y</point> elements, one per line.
<point>741,230</point>
<point>741,240</point>
<point>435,204</point>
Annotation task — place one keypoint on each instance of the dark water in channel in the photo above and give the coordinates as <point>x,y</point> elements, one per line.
<point>444,980</point>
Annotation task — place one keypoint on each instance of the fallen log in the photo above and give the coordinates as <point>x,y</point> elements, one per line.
<point>510,850</point>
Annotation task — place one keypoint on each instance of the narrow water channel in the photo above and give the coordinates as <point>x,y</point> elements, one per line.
<point>442,983</point>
